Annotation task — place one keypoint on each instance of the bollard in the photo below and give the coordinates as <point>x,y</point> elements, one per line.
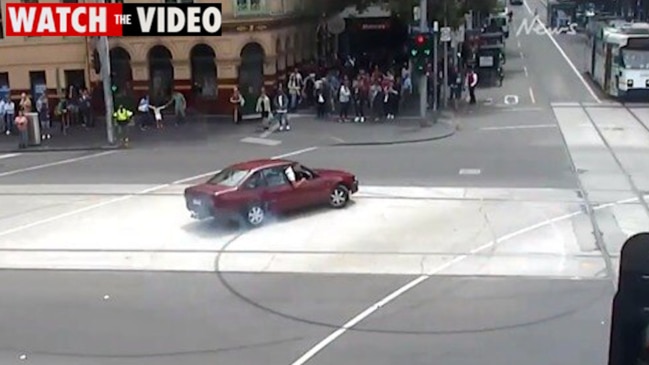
<point>33,129</point>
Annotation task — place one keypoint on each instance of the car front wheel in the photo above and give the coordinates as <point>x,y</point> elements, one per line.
<point>339,197</point>
<point>255,215</point>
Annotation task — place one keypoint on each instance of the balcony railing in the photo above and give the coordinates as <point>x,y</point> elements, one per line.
<point>253,8</point>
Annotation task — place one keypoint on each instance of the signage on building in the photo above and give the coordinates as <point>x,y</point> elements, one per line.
<point>113,20</point>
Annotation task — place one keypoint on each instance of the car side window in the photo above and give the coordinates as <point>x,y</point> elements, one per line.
<point>255,181</point>
<point>274,177</point>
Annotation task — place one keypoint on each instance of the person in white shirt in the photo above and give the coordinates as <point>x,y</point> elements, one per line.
<point>295,85</point>
<point>10,113</point>
<point>3,114</point>
<point>344,98</point>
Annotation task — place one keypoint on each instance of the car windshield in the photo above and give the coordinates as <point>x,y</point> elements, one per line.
<point>228,177</point>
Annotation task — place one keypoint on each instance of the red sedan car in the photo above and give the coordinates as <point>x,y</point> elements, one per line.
<point>251,191</point>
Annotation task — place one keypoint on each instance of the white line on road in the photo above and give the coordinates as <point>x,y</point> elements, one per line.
<point>513,127</point>
<point>564,55</point>
<point>56,163</point>
<point>129,196</point>
<point>521,53</point>
<point>526,72</point>
<point>519,43</point>
<point>470,172</point>
<point>532,96</point>
<point>312,352</point>
<point>262,141</point>
<point>9,155</point>
<point>273,128</point>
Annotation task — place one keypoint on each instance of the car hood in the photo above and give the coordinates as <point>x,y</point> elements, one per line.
<point>333,173</point>
<point>208,189</point>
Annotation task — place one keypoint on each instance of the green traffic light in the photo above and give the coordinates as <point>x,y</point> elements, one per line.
<point>427,52</point>
<point>413,52</point>
<point>113,88</point>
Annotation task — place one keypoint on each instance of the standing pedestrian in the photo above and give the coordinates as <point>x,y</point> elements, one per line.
<point>237,102</point>
<point>122,118</point>
<point>263,107</point>
<point>472,83</point>
<point>344,98</point>
<point>21,125</point>
<point>10,113</point>
<point>180,107</point>
<point>281,109</point>
<point>43,109</point>
<point>3,115</point>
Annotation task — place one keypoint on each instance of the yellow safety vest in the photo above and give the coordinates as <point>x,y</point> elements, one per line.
<point>122,115</point>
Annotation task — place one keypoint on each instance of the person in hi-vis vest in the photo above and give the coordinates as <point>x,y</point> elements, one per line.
<point>122,118</point>
<point>472,83</point>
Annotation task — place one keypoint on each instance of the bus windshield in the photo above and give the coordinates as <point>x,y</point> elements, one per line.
<point>635,59</point>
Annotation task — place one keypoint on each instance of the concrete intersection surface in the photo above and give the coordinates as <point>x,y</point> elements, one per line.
<point>496,245</point>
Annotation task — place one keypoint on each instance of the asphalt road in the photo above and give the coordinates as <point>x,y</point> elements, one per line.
<point>490,223</point>
<point>74,318</point>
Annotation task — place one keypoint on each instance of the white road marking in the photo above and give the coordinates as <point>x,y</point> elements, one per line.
<point>511,100</point>
<point>9,155</point>
<point>532,96</point>
<point>519,43</point>
<point>521,53</point>
<point>510,127</point>
<point>309,354</point>
<point>566,104</point>
<point>129,196</point>
<point>273,128</point>
<point>470,172</point>
<point>564,55</point>
<point>56,163</point>
<point>261,141</point>
<point>525,71</point>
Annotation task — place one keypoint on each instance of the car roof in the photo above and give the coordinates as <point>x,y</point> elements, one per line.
<point>254,165</point>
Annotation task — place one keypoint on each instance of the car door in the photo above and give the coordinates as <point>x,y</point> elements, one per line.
<point>306,191</point>
<point>279,191</point>
<point>315,188</point>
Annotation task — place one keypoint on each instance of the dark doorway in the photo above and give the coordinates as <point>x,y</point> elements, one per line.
<point>251,75</point>
<point>204,71</point>
<point>161,75</point>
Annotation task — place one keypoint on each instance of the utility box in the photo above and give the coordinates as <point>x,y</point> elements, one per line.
<point>33,129</point>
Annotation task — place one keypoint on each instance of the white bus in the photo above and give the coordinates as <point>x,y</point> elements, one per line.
<point>619,61</point>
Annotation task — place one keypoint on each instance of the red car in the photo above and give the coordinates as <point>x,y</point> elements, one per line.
<point>251,191</point>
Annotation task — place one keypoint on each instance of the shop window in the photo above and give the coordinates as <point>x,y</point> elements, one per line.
<point>244,7</point>
<point>4,79</point>
<point>38,84</point>
<point>2,34</point>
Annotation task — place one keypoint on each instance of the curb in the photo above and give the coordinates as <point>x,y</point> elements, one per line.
<point>60,149</point>
<point>450,133</point>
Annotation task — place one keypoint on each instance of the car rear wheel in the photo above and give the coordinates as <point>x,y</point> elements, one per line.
<point>339,197</point>
<point>255,215</point>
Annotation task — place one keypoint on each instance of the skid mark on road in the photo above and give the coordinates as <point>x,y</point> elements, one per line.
<point>320,346</point>
<point>121,198</point>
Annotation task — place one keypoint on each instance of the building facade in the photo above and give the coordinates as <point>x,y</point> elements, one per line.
<point>261,40</point>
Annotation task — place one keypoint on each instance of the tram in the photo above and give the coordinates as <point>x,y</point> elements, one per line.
<point>619,60</point>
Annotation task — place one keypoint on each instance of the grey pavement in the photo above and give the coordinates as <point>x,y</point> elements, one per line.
<point>96,318</point>
<point>498,218</point>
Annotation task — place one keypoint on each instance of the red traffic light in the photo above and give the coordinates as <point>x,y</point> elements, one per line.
<point>420,39</point>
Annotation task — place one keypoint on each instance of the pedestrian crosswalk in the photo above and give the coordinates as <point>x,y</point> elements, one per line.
<point>388,230</point>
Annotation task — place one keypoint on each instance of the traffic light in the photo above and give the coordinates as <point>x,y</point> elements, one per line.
<point>421,50</point>
<point>113,83</point>
<point>629,340</point>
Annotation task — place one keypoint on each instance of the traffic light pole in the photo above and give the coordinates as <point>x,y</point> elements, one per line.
<point>103,48</point>
<point>423,79</point>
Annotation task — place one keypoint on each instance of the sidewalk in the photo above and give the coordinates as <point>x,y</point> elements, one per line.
<point>330,132</point>
<point>88,139</point>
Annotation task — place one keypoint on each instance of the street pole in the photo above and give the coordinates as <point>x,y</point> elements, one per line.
<point>423,79</point>
<point>103,49</point>
<point>435,67</point>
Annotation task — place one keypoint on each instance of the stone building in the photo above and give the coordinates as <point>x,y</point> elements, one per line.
<point>261,40</point>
